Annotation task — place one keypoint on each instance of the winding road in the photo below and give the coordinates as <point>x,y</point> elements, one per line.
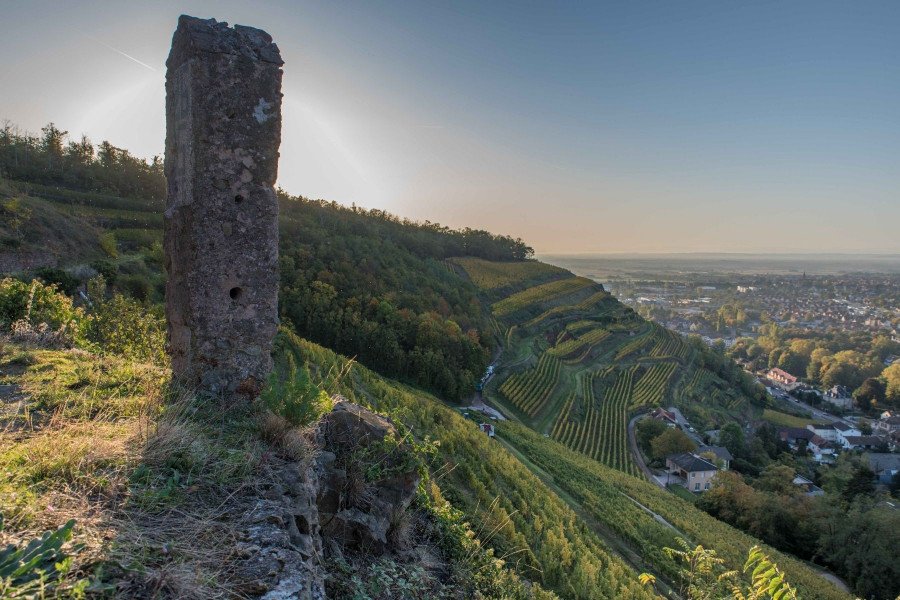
<point>636,454</point>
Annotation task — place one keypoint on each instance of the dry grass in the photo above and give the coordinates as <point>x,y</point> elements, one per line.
<point>155,479</point>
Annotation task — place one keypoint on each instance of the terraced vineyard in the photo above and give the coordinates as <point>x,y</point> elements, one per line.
<point>488,275</point>
<point>590,304</point>
<point>539,293</point>
<point>651,388</point>
<point>668,344</point>
<point>600,432</point>
<point>579,346</point>
<point>636,343</point>
<point>596,363</point>
<point>530,390</point>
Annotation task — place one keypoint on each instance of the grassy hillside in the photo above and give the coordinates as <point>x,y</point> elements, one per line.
<point>567,531</point>
<point>576,363</point>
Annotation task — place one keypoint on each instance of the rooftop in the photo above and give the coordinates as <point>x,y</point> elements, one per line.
<point>691,462</point>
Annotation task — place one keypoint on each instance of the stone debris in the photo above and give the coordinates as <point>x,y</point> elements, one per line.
<point>323,504</point>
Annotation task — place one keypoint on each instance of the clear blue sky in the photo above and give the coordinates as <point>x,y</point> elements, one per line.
<point>627,126</point>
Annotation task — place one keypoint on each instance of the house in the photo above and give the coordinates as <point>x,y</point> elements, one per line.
<point>822,449</point>
<point>488,428</point>
<point>825,431</point>
<point>723,456</point>
<point>844,430</point>
<point>886,426</point>
<point>808,486</point>
<point>661,414</point>
<point>839,396</point>
<point>796,436</point>
<point>885,465</point>
<point>697,472</point>
<point>712,435</point>
<point>863,442</point>
<point>783,377</point>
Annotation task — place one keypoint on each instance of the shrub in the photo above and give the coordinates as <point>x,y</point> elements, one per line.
<point>136,286</point>
<point>291,394</point>
<point>107,241</point>
<point>62,279</point>
<point>35,303</point>
<point>123,326</point>
<point>107,269</point>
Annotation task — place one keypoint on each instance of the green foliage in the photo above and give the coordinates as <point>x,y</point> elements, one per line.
<point>671,441</point>
<point>703,577</point>
<point>600,431</point>
<point>784,419</point>
<point>607,495</point>
<point>646,431</point>
<point>767,580</point>
<point>861,544</point>
<point>35,303</point>
<point>291,394</point>
<point>511,511</point>
<point>384,579</point>
<point>529,390</point>
<point>107,241</point>
<point>48,159</point>
<point>63,280</point>
<point>33,570</point>
<point>377,288</point>
<point>123,326</point>
<point>538,294</point>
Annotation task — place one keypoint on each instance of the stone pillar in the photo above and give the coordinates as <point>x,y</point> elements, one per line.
<point>223,130</point>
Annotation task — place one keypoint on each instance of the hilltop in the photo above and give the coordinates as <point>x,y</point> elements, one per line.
<point>423,309</point>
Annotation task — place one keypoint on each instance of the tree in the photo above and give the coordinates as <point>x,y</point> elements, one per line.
<point>732,437</point>
<point>777,479</point>
<point>848,368</point>
<point>891,377</point>
<point>646,431</point>
<point>671,441</point>
<point>870,394</point>
<point>862,546</point>
<point>52,144</point>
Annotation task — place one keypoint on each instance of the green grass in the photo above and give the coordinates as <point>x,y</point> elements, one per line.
<point>784,419</point>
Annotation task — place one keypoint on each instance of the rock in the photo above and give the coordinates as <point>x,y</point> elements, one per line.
<point>223,131</point>
<point>354,510</point>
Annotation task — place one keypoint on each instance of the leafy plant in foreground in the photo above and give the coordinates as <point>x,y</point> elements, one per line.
<point>27,571</point>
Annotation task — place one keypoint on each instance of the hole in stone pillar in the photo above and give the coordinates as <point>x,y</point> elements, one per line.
<point>302,524</point>
<point>238,199</point>
<point>235,293</point>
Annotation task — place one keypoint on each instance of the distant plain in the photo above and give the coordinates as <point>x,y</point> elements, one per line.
<point>601,267</point>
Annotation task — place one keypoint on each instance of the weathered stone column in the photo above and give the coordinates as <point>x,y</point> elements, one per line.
<point>223,130</point>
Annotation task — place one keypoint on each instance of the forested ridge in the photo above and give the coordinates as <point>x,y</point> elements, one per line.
<point>364,282</point>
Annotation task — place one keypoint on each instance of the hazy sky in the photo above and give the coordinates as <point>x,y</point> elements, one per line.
<point>618,126</point>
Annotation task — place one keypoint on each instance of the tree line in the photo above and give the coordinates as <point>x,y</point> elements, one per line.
<point>52,158</point>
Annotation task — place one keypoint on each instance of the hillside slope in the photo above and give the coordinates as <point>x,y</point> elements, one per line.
<point>576,363</point>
